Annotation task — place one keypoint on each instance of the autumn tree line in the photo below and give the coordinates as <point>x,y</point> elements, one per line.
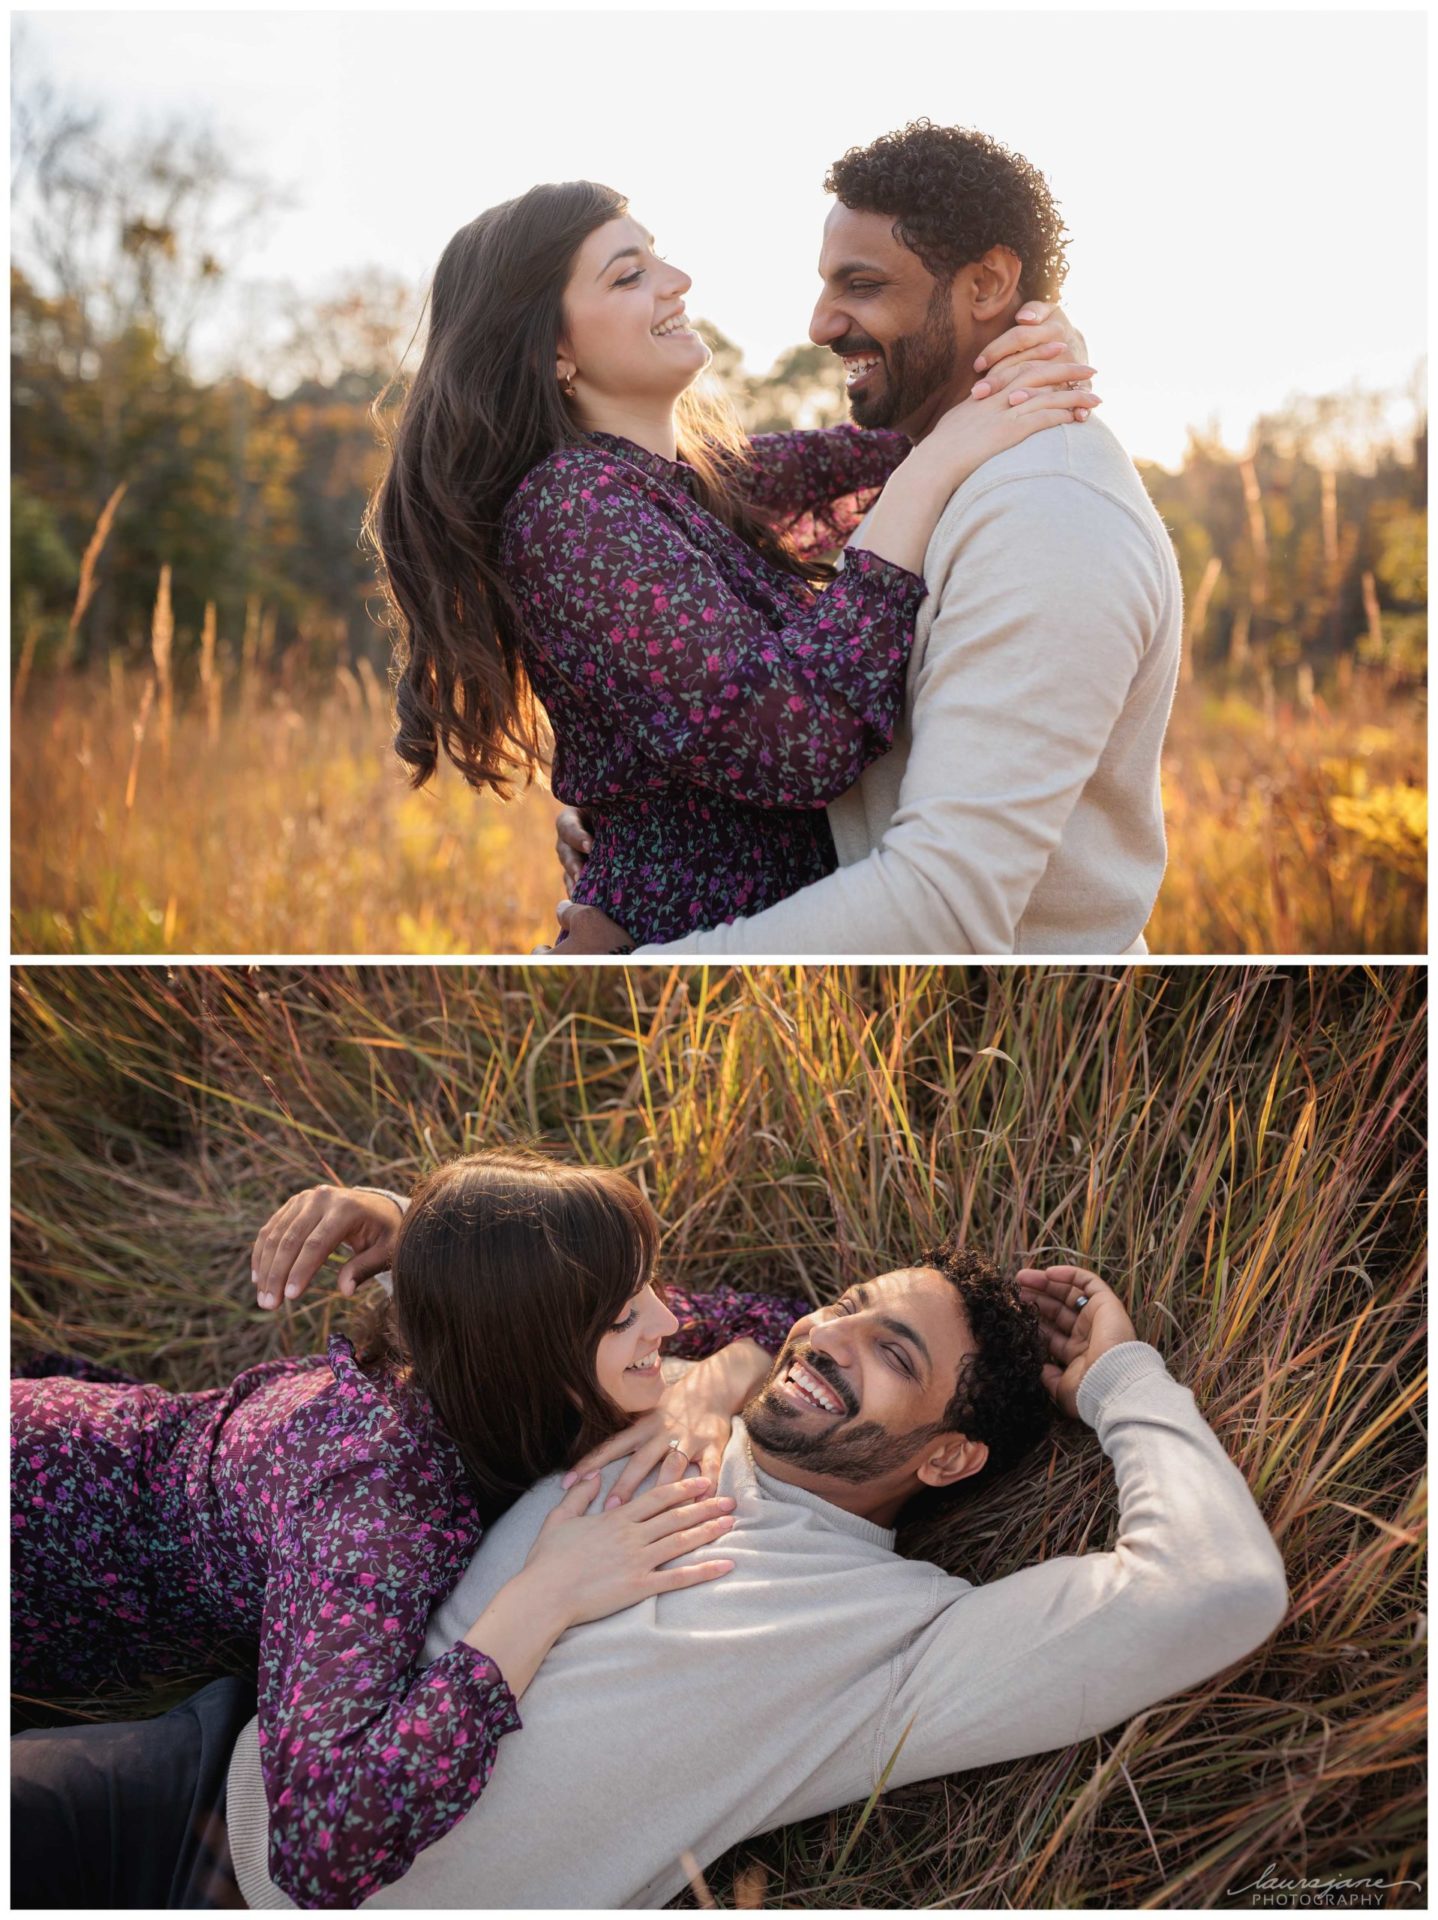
<point>245,468</point>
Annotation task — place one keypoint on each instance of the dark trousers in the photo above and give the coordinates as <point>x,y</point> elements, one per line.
<point>128,1813</point>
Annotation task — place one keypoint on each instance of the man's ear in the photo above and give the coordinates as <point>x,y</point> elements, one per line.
<point>952,1458</point>
<point>994,283</point>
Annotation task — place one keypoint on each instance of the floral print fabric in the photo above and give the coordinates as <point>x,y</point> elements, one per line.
<point>317,1513</point>
<point>705,704</point>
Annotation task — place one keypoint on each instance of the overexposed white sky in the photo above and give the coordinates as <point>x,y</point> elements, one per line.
<point>1245,192</point>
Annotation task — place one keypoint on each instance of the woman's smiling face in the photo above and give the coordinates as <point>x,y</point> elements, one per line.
<point>626,1365</point>
<point>626,339</point>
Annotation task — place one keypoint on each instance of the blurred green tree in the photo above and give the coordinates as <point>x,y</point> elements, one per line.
<point>803,389</point>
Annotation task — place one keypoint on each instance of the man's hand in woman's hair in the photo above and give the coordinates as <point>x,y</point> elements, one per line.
<point>300,1236</point>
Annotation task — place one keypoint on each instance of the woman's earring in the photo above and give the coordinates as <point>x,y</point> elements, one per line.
<point>566,385</point>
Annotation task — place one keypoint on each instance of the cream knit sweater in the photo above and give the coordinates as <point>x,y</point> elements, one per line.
<point>781,1690</point>
<point>1018,809</point>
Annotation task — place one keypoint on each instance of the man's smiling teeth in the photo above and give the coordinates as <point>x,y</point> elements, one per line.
<point>856,365</point>
<point>812,1388</point>
<point>676,323</point>
<point>645,1366</point>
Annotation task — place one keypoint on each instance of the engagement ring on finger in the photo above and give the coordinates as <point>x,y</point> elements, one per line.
<point>674,1447</point>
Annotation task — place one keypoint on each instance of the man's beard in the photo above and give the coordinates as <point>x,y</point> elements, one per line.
<point>915,369</point>
<point>855,1453</point>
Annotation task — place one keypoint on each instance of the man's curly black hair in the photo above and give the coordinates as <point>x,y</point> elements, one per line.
<point>952,194</point>
<point>1000,1396</point>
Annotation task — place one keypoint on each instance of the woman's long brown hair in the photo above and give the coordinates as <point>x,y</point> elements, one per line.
<point>483,408</point>
<point>509,1268</point>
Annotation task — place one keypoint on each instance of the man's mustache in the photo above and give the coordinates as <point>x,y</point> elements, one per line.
<point>820,1368</point>
<point>855,343</point>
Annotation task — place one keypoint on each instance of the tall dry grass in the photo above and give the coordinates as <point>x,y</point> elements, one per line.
<point>249,816</point>
<point>1241,1151</point>
<point>281,824</point>
<point>1295,825</point>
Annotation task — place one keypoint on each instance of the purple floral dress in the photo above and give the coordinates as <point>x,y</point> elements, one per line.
<point>319,1513</point>
<point>706,705</point>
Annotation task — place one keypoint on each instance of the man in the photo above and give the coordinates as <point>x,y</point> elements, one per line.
<point>1018,809</point>
<point>784,1689</point>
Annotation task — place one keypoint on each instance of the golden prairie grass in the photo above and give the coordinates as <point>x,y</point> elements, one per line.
<point>1295,827</point>
<point>276,828</point>
<point>1241,1151</point>
<point>249,818</point>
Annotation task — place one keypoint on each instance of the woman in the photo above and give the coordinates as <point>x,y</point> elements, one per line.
<point>562,523</point>
<point>322,1507</point>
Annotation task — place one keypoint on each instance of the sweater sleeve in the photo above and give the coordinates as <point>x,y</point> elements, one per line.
<point>777,706</point>
<point>367,1756</point>
<point>401,1200</point>
<point>1066,1649</point>
<point>712,1319</point>
<point>384,1278</point>
<point>815,488</point>
<point>1047,592</point>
